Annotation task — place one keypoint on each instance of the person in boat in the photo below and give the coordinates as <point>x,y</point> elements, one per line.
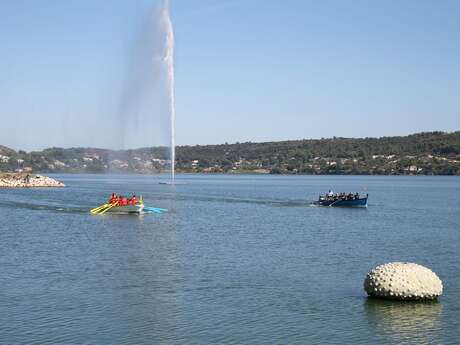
<point>356,196</point>
<point>330,194</point>
<point>112,198</point>
<point>134,200</point>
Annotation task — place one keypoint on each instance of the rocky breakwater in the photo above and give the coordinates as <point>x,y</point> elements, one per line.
<point>22,180</point>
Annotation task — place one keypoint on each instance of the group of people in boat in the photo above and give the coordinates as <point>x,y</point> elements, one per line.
<point>122,201</point>
<point>341,196</point>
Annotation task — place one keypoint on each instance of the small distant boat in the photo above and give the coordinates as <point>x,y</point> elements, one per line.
<point>343,200</point>
<point>172,183</point>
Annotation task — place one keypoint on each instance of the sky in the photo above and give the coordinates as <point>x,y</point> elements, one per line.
<point>246,70</point>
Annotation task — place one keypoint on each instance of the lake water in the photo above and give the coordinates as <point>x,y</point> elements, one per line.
<point>237,260</point>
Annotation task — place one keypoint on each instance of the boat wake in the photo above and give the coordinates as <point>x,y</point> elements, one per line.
<point>43,207</point>
<point>231,200</point>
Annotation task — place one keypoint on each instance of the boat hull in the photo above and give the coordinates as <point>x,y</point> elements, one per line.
<point>127,209</point>
<point>360,202</point>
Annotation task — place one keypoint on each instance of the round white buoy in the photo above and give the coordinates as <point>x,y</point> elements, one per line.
<point>403,281</point>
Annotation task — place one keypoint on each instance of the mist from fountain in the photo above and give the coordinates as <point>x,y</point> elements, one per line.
<point>168,59</point>
<point>147,113</point>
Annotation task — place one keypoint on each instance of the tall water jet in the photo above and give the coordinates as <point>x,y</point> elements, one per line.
<point>170,79</point>
<point>147,112</point>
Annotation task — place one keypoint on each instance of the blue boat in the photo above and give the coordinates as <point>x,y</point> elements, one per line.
<point>343,200</point>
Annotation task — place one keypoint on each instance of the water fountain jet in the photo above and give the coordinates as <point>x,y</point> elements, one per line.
<point>168,60</point>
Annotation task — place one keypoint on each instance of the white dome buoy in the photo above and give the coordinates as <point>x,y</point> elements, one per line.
<point>403,281</point>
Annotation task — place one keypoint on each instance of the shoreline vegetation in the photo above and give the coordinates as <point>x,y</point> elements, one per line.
<point>25,180</point>
<point>429,153</point>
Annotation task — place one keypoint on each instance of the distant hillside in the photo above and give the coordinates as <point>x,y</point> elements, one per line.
<point>433,153</point>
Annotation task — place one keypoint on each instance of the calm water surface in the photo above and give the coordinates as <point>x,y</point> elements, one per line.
<point>237,260</point>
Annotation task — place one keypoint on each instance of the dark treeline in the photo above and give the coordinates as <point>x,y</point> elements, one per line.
<point>433,153</point>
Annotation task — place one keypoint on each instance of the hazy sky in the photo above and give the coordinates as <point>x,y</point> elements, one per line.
<point>249,70</point>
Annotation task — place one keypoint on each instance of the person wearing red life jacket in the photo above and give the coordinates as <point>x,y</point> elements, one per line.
<point>113,198</point>
<point>134,199</point>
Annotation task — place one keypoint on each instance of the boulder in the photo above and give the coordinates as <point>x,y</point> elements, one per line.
<point>403,281</point>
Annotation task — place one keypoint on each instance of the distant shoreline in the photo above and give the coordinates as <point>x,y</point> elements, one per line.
<point>429,154</point>
<point>166,174</point>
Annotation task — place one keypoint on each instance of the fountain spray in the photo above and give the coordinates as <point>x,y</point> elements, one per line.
<point>169,62</point>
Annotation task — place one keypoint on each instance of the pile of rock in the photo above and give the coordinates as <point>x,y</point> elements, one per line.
<point>21,180</point>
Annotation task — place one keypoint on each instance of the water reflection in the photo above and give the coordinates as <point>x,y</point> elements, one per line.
<point>405,322</point>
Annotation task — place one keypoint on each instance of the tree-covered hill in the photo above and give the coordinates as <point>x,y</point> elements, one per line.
<point>433,153</point>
